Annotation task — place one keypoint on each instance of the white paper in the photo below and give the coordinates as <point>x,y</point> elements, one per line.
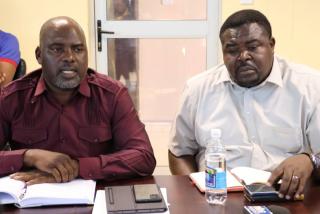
<point>10,190</point>
<point>250,175</point>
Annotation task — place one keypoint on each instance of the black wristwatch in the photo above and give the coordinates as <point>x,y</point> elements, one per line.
<point>315,160</point>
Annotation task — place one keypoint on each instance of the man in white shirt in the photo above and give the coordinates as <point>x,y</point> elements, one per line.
<point>267,108</point>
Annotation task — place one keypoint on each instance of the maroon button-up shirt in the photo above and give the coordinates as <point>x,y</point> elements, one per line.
<point>99,127</point>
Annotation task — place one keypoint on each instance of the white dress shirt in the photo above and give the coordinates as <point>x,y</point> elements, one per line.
<point>261,126</point>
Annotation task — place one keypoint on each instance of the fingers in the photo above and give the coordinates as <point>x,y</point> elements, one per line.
<point>68,170</point>
<point>24,176</point>
<point>63,169</point>
<point>41,179</point>
<point>34,177</point>
<point>300,189</point>
<point>2,77</point>
<point>56,174</point>
<point>289,185</point>
<point>294,173</point>
<point>61,166</point>
<point>286,180</point>
<point>275,176</point>
<point>294,183</point>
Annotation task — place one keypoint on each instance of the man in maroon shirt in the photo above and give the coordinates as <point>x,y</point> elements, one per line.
<point>65,121</point>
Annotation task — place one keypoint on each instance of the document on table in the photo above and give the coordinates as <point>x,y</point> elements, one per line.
<point>100,206</point>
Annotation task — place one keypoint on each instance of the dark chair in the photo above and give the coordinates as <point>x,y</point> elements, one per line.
<point>21,69</point>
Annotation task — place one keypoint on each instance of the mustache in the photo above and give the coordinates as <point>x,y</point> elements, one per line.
<point>245,66</point>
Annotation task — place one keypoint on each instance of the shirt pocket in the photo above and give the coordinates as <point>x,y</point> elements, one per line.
<point>29,136</point>
<point>281,140</point>
<point>94,134</point>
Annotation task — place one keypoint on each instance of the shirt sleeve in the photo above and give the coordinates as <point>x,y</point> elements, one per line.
<point>182,135</point>
<point>313,130</point>
<point>133,154</point>
<point>10,161</point>
<point>9,50</point>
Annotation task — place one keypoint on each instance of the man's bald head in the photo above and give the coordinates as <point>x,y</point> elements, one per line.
<point>58,22</point>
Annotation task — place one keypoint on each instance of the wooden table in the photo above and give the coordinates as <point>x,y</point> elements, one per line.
<point>184,198</point>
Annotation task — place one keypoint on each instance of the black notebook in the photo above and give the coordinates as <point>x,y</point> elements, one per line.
<point>142,198</point>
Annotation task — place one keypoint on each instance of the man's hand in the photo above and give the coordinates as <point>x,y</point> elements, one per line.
<point>61,166</point>
<point>2,77</point>
<point>34,177</point>
<point>294,172</point>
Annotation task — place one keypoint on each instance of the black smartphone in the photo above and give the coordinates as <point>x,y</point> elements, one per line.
<point>260,189</point>
<point>260,193</point>
<point>144,193</point>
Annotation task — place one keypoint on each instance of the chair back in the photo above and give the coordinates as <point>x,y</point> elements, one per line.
<point>21,69</point>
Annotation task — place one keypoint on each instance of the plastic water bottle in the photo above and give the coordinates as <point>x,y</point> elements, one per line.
<point>216,178</point>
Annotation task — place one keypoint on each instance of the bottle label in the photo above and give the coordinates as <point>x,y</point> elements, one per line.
<point>216,178</point>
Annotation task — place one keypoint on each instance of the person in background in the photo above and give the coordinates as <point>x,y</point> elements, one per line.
<point>65,120</point>
<point>9,57</point>
<point>125,50</point>
<point>266,107</point>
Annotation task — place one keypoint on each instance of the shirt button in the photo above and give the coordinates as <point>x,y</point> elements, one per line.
<point>90,175</point>
<point>96,140</point>
<point>12,168</point>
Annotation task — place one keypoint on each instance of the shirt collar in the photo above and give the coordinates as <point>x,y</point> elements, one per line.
<point>223,75</point>
<point>41,87</point>
<point>83,88</point>
<point>275,76</point>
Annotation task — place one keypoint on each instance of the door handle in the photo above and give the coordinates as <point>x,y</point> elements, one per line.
<point>99,32</point>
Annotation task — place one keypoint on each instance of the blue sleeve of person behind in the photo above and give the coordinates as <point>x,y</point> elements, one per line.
<point>9,48</point>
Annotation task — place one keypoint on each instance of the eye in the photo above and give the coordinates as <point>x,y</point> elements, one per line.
<point>78,49</point>
<point>252,47</point>
<point>232,50</point>
<point>56,49</point>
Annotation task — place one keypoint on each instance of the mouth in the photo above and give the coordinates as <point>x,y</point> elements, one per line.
<point>68,73</point>
<point>246,69</point>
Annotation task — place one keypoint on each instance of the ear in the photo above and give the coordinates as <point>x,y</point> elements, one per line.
<point>272,43</point>
<point>38,55</point>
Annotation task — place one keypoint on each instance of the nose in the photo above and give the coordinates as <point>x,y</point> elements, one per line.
<point>244,55</point>
<point>68,55</point>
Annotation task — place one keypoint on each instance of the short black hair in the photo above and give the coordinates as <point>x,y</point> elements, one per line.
<point>247,16</point>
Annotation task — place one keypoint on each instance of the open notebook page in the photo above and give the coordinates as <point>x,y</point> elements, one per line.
<point>11,186</point>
